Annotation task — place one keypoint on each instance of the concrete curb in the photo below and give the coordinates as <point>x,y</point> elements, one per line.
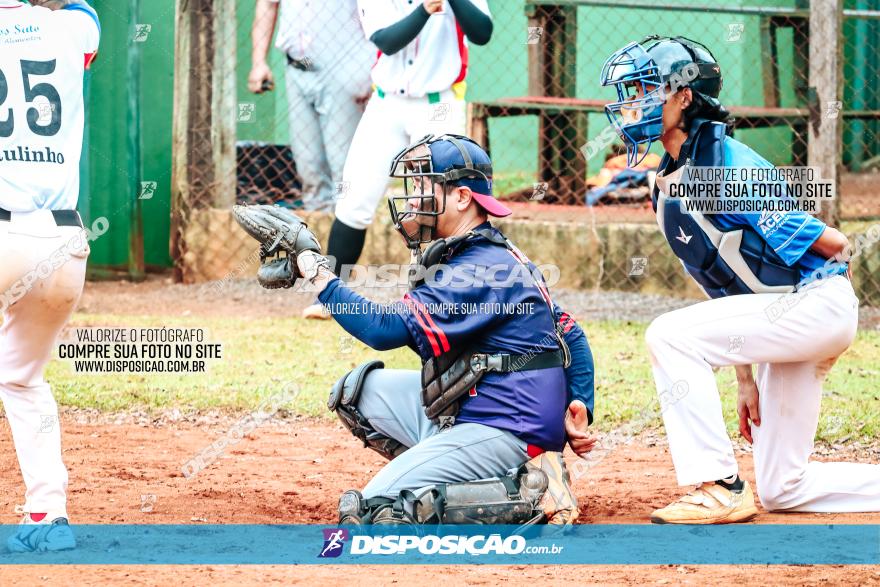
<point>598,257</point>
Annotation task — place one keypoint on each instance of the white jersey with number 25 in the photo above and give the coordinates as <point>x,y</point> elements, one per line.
<point>43,55</point>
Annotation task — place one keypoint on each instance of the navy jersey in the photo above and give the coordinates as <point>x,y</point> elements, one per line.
<point>484,299</point>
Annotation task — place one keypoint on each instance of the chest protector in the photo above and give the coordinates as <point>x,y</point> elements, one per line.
<point>723,261</point>
<point>448,377</point>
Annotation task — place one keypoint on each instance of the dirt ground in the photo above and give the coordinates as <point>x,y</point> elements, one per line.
<point>858,193</point>
<point>292,471</point>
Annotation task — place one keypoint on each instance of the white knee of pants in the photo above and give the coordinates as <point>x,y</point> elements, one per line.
<point>29,395</point>
<point>779,492</point>
<point>659,335</point>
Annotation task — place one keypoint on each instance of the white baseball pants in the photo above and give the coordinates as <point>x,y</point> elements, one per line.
<point>794,340</point>
<point>388,125</point>
<point>41,280</point>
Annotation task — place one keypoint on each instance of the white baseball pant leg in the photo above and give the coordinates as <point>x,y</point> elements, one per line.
<point>323,117</point>
<point>38,294</point>
<point>307,139</point>
<point>794,352</point>
<point>388,125</point>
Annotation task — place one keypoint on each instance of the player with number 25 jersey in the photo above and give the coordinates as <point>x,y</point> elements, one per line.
<point>43,54</point>
<point>44,49</point>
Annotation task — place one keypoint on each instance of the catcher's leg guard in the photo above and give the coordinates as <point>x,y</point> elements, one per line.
<point>355,510</point>
<point>515,498</point>
<point>511,499</point>
<point>538,492</point>
<point>343,400</point>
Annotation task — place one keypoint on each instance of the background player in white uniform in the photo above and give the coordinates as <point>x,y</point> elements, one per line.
<point>43,54</point>
<point>419,79</point>
<point>782,301</point>
<point>328,82</point>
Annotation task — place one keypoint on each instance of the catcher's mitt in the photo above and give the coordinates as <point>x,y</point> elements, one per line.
<point>278,230</point>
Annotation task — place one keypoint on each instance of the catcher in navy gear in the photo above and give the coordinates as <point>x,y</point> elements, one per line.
<point>507,377</point>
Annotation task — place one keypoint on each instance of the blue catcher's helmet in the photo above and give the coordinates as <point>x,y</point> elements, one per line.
<point>659,66</point>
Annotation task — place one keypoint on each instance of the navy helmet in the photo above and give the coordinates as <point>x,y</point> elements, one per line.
<point>448,161</point>
<point>658,66</point>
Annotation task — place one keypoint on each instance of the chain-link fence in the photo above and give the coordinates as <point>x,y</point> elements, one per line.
<point>533,99</point>
<point>761,53</point>
<point>859,106</point>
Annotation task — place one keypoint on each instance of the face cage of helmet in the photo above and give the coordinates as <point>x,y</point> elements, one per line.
<point>417,213</point>
<point>638,115</point>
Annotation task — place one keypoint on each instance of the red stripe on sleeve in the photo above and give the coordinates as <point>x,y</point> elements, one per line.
<point>90,58</point>
<point>411,304</point>
<point>437,330</point>
<point>567,322</point>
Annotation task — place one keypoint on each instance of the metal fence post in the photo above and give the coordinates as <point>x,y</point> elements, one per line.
<point>134,135</point>
<point>824,145</point>
<point>203,174</point>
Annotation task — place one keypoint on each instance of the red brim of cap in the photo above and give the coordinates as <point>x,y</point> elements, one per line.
<point>491,205</point>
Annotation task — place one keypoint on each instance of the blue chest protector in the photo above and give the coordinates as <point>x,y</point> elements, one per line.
<point>725,261</point>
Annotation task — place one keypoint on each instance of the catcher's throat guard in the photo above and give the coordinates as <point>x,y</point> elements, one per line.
<point>644,75</point>
<point>414,214</point>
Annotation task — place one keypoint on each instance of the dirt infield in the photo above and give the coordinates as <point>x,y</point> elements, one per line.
<point>292,471</point>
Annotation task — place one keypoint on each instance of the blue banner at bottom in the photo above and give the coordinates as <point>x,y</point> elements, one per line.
<point>400,545</point>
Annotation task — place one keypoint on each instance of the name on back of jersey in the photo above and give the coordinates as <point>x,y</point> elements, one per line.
<point>19,29</point>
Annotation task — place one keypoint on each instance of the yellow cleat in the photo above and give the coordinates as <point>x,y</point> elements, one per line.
<point>709,503</point>
<point>316,312</point>
<point>558,502</point>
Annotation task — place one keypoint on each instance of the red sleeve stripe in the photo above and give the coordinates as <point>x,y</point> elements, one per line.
<point>567,322</point>
<point>90,58</point>
<point>444,342</point>
<point>411,304</point>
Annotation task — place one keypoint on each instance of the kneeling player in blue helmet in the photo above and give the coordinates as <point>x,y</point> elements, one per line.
<point>507,377</point>
<point>782,300</point>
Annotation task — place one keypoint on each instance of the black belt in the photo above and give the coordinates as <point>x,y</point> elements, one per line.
<point>62,217</point>
<point>504,363</point>
<point>304,64</point>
